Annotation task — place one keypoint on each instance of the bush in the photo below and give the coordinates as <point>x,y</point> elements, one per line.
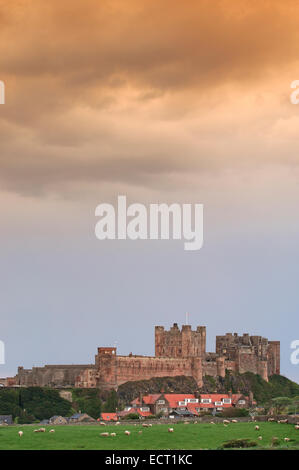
<point>131,416</point>
<point>235,412</point>
<point>239,444</point>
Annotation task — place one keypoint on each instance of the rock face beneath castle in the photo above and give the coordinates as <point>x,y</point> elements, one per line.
<point>177,352</point>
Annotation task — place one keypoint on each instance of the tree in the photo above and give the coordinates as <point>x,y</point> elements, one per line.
<point>281,403</point>
<point>111,403</point>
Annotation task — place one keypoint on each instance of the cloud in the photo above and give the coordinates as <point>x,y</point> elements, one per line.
<point>141,91</point>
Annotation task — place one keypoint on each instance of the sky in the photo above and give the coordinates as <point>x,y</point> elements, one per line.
<point>161,101</point>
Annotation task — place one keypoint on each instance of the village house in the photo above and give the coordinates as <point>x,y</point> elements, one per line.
<point>167,403</point>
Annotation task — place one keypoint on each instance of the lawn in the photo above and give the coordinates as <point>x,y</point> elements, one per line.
<point>185,436</point>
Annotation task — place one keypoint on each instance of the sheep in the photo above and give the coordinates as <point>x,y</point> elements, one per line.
<point>260,438</point>
<point>287,439</point>
<point>42,430</point>
<point>20,433</point>
<point>170,429</point>
<point>257,428</point>
<point>145,425</point>
<point>271,420</point>
<point>102,424</point>
<point>117,423</point>
<point>234,420</point>
<point>212,422</point>
<point>127,433</point>
<point>283,421</point>
<point>226,421</point>
<point>52,430</point>
<point>104,434</point>
<point>225,425</point>
<point>113,434</point>
<point>297,426</point>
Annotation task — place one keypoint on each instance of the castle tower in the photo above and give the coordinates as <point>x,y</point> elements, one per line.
<point>106,366</point>
<point>263,370</point>
<point>180,343</point>
<point>220,362</point>
<point>274,357</point>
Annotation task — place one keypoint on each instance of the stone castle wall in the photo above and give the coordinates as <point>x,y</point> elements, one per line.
<point>50,375</point>
<point>177,352</point>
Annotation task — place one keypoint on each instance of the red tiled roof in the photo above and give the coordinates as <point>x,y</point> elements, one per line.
<point>109,416</point>
<point>174,398</point>
<point>135,411</point>
<point>147,399</point>
<point>214,396</point>
<point>144,413</point>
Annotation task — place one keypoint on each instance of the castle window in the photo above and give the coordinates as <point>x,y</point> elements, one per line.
<point>242,402</point>
<point>206,400</point>
<point>161,402</point>
<point>218,403</point>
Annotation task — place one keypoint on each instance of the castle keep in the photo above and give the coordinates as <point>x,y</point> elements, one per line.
<point>177,352</point>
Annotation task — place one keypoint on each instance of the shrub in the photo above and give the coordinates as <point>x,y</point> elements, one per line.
<point>131,416</point>
<point>239,444</point>
<point>235,412</point>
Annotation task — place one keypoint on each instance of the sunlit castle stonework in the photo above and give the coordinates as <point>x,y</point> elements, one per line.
<point>177,352</point>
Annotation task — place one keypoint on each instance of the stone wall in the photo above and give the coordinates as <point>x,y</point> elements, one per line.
<point>50,375</point>
<point>116,370</point>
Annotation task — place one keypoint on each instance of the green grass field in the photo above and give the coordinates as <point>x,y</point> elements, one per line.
<point>190,436</point>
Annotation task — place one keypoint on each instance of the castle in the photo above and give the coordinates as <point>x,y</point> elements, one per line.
<point>177,352</point>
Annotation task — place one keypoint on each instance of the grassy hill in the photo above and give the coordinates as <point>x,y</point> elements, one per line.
<point>263,391</point>
<point>36,403</point>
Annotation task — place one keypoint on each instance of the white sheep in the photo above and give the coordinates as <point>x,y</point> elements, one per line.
<point>257,428</point>
<point>234,420</point>
<point>297,426</point>
<point>226,421</point>
<point>104,434</point>
<point>287,439</point>
<point>127,433</point>
<point>52,430</point>
<point>170,429</point>
<point>20,433</point>
<point>260,438</point>
<point>113,434</point>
